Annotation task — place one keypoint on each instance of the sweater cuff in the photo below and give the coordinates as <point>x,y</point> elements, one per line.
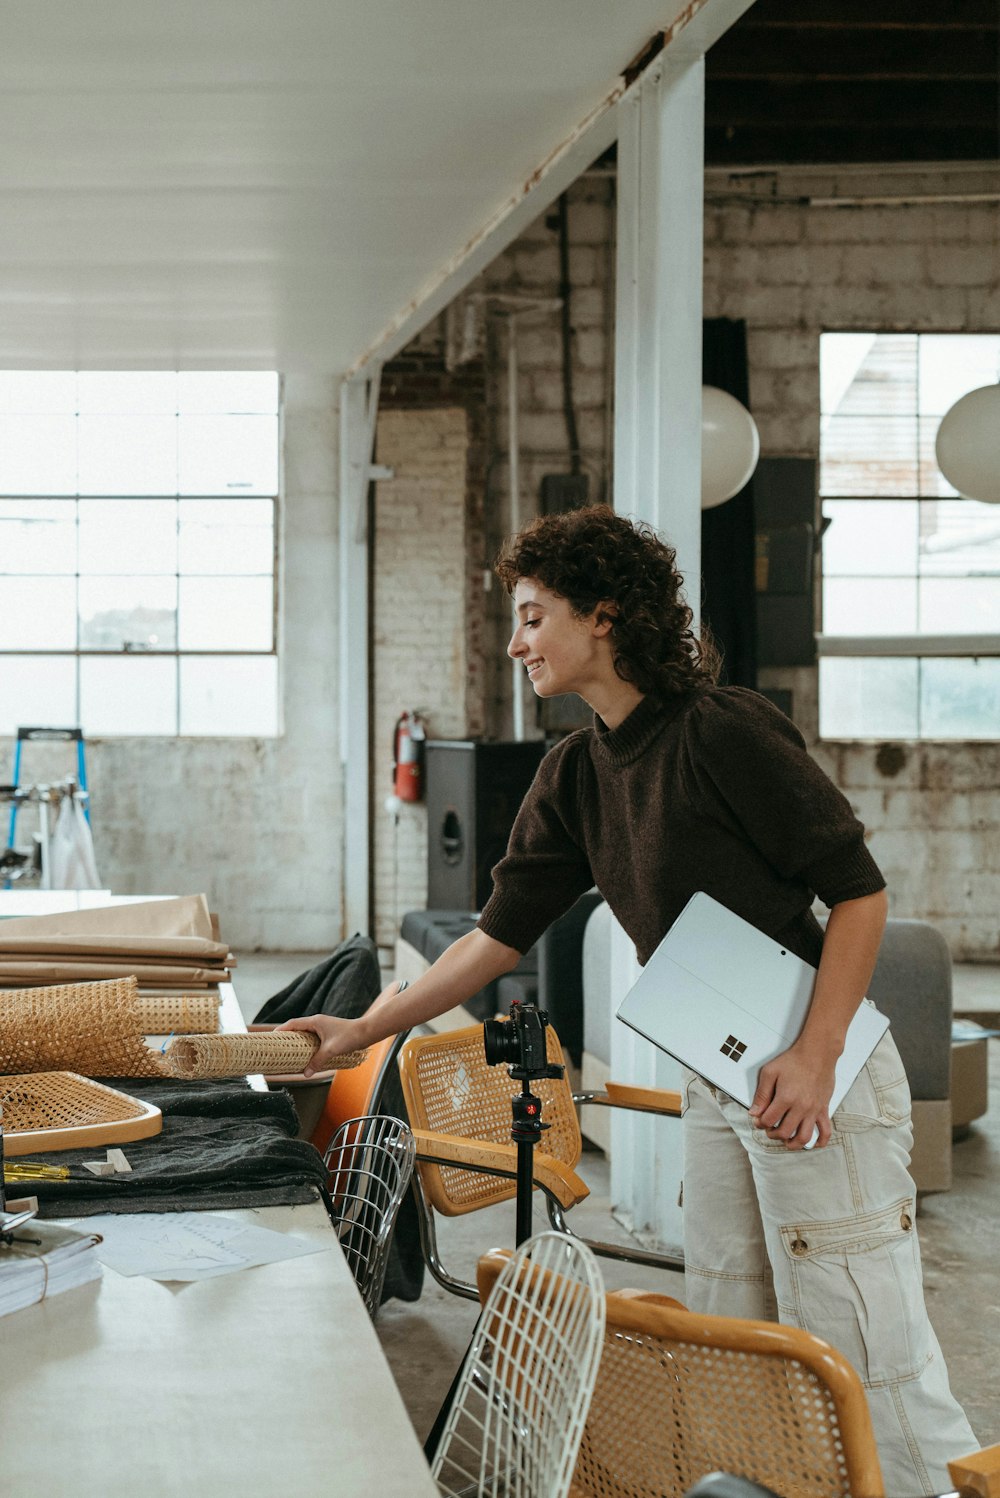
<point>848,873</point>
<point>503,919</point>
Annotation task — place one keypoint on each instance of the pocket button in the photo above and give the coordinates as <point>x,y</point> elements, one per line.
<point>905,1221</point>
<point>799,1246</point>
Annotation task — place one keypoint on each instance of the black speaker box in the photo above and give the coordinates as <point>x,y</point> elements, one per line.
<point>474,791</point>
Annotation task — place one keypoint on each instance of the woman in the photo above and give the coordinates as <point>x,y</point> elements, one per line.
<point>681,786</point>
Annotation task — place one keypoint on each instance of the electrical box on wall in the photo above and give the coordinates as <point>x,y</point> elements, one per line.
<point>785,507</point>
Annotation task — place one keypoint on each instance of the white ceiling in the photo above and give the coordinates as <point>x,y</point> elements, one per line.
<point>269,183</point>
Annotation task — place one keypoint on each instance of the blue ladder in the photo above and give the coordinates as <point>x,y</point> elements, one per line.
<point>46,735</point>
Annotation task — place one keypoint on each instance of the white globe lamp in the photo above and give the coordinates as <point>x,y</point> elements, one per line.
<point>730,446</point>
<point>968,445</point>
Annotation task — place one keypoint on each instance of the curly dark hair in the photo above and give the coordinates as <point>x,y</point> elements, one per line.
<point>594,556</point>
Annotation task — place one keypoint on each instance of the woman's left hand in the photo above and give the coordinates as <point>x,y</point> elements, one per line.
<point>793,1095</point>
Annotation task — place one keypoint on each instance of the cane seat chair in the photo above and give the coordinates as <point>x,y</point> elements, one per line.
<point>514,1425</point>
<point>460,1113</point>
<point>370,1163</point>
<point>680,1395</point>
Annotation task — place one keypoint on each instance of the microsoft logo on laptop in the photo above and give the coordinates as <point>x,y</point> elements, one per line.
<point>733,1048</point>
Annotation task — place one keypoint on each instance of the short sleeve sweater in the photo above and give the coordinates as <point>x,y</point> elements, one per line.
<point>712,791</point>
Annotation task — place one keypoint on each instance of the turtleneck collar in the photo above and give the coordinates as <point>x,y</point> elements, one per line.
<point>622,745</point>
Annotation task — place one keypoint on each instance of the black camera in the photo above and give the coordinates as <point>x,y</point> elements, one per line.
<point>519,1042</point>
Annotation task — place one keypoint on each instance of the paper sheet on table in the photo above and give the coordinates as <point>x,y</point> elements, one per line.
<point>191,1245</point>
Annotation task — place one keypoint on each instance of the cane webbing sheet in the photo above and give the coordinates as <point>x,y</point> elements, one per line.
<point>179,1014</point>
<point>59,1110</point>
<point>92,1028</point>
<point>449,1088</point>
<point>277,1054</point>
<point>667,1412</point>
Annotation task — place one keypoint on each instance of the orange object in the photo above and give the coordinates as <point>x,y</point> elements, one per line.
<point>408,740</point>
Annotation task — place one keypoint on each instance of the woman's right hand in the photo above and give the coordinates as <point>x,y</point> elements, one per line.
<point>336,1038</point>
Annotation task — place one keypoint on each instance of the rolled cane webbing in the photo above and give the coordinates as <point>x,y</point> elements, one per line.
<point>179,1014</point>
<point>197,1056</point>
<point>59,1110</point>
<point>92,1028</point>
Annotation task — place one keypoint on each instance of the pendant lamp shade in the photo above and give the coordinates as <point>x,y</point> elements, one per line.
<point>730,446</point>
<point>968,445</point>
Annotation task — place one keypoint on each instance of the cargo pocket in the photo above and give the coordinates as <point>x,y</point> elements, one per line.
<point>857,1284</point>
<point>880,1094</point>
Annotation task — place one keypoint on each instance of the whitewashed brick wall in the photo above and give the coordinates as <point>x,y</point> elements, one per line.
<point>792,271</point>
<point>421,628</point>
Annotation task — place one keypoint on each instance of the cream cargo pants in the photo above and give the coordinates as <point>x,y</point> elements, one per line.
<point>826,1239</point>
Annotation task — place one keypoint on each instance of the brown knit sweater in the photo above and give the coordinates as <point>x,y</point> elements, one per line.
<point>714,791</point>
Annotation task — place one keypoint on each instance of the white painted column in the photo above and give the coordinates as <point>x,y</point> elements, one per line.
<point>657,478</point>
<point>358,410</point>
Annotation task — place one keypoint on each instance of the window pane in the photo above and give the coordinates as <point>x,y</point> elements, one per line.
<point>841,356</point>
<point>884,383</point>
<point>870,606</point>
<point>37,613</point>
<point>128,613</point>
<point>227,535</point>
<point>870,536</point>
<point>959,538</point>
<point>960,699</point>
<point>131,391</point>
<point>228,454</point>
<point>38,454</point>
<point>960,606</point>
<point>37,535</point>
<point>128,454</point>
<point>128,694</point>
<point>118,536</point>
<point>223,613</point>
<point>247,391</point>
<point>952,364</point>
<point>869,455</point>
<point>223,695</point>
<point>37,689</point>
<point>37,390</point>
<point>867,698</point>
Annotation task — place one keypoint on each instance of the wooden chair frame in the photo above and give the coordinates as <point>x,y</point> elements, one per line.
<point>428,1067</point>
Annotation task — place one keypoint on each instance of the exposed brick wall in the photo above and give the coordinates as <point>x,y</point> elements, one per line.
<point>420,641</point>
<point>794,271</point>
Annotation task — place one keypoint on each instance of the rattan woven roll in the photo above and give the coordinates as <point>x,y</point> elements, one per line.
<point>179,1014</point>
<point>91,1028</point>
<point>275,1054</point>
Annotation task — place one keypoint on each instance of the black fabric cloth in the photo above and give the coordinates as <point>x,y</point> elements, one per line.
<point>345,984</point>
<point>222,1145</point>
<point>728,540</point>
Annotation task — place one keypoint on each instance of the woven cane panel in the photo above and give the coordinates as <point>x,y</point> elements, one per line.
<point>277,1054</point>
<point>460,1094</point>
<point>61,1100</point>
<point>179,1014</point>
<point>666,1413</point>
<point>91,1028</point>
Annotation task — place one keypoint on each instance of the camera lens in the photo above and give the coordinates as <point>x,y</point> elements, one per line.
<point>500,1043</point>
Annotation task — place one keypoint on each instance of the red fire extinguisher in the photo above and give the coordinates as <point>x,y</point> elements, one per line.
<point>408,757</point>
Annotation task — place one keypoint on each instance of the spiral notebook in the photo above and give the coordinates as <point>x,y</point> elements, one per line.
<point>723,999</point>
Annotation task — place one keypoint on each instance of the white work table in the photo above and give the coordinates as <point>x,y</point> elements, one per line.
<point>266,1382</point>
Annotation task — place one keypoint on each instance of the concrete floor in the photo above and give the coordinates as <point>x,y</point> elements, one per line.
<point>959,1234</point>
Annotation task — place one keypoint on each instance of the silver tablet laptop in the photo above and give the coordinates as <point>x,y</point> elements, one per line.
<point>723,999</point>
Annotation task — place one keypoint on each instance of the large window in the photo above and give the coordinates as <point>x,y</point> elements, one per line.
<point>910,642</point>
<point>137,551</point>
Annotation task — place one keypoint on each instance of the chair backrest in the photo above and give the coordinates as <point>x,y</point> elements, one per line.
<point>357,1091</point>
<point>370,1163</point>
<point>449,1088</point>
<point>680,1395</point>
<point>522,1398</point>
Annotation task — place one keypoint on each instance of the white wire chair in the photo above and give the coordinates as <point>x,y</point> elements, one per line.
<point>370,1163</point>
<point>517,1417</point>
